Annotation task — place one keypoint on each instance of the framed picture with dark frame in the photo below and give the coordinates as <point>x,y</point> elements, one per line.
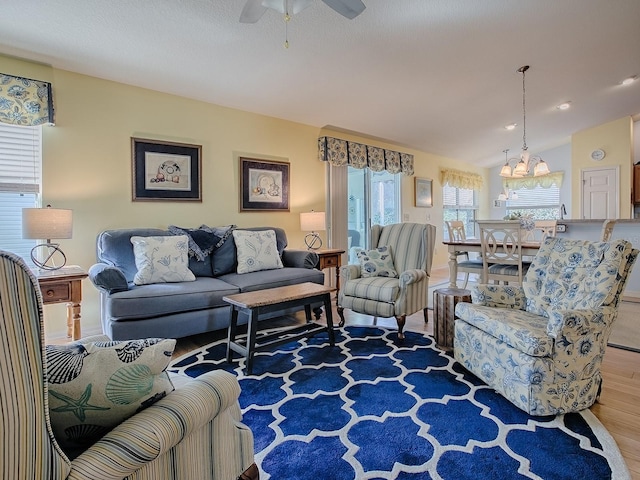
<point>424,192</point>
<point>166,171</point>
<point>264,185</point>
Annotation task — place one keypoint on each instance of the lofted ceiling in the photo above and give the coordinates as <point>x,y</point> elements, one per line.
<point>438,76</point>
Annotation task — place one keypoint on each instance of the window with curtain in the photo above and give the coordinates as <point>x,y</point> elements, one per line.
<point>539,202</point>
<point>20,180</point>
<point>459,204</point>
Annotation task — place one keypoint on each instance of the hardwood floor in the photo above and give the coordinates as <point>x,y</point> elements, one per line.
<point>618,407</point>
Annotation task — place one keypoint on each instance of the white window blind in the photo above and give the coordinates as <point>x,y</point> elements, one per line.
<point>459,204</point>
<point>541,203</point>
<point>20,179</point>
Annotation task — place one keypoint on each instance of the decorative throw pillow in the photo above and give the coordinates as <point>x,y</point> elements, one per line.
<point>97,385</point>
<point>377,263</point>
<point>202,240</point>
<point>257,250</point>
<point>161,259</point>
<point>224,259</point>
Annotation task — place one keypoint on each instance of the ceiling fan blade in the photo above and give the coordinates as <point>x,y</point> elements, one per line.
<point>347,8</point>
<point>299,5</point>
<point>252,11</point>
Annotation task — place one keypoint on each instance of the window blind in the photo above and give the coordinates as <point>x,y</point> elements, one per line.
<point>20,180</point>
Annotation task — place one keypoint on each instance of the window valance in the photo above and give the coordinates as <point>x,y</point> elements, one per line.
<point>460,179</point>
<point>545,181</point>
<point>340,152</point>
<point>24,101</point>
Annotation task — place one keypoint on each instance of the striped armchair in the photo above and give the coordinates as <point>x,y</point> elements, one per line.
<point>411,246</point>
<point>192,433</point>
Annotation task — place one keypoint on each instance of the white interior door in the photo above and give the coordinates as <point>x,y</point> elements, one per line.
<point>600,194</point>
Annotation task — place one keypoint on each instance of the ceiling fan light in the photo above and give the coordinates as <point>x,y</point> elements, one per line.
<point>502,197</point>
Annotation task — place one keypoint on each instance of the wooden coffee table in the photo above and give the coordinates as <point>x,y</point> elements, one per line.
<point>260,302</point>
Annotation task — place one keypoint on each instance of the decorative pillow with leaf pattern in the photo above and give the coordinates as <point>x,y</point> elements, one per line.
<point>95,386</point>
<point>162,259</point>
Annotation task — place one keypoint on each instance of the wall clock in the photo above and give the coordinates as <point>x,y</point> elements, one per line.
<point>597,155</point>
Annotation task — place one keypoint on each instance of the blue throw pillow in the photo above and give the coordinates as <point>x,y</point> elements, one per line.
<point>224,258</point>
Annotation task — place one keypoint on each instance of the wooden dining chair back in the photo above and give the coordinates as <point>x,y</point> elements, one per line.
<point>467,265</point>
<point>544,229</point>
<point>541,230</point>
<point>607,230</point>
<point>502,251</point>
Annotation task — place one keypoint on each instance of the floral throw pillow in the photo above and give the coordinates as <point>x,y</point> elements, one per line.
<point>377,263</point>
<point>256,250</point>
<point>97,385</point>
<point>162,259</point>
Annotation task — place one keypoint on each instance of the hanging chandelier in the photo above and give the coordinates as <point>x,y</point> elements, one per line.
<point>524,164</point>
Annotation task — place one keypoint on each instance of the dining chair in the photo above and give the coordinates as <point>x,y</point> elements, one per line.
<point>457,233</point>
<point>502,251</point>
<point>607,230</point>
<point>541,230</point>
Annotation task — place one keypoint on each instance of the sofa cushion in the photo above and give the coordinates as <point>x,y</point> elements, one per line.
<point>148,301</point>
<point>273,278</point>
<point>379,289</point>
<point>256,251</point>
<point>377,262</point>
<point>161,259</point>
<point>524,331</point>
<point>223,259</point>
<point>95,386</point>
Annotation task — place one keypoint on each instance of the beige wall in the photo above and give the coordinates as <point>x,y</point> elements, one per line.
<point>616,139</point>
<point>87,166</point>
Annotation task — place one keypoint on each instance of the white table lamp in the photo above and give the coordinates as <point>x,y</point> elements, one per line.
<point>47,223</point>
<point>310,222</point>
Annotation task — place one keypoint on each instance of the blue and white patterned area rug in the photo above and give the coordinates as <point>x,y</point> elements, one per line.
<point>371,409</point>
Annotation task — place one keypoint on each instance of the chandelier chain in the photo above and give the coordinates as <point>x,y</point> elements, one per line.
<point>524,112</point>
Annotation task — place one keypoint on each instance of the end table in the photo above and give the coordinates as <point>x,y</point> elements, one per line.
<point>64,285</point>
<point>331,257</point>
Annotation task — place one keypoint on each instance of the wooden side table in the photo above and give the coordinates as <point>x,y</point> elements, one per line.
<point>64,285</point>
<point>331,257</point>
<point>444,306</point>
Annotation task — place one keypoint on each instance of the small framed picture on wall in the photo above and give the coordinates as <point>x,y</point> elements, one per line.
<point>264,185</point>
<point>423,192</point>
<point>166,171</point>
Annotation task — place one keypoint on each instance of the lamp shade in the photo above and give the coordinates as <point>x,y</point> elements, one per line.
<point>312,221</point>
<point>47,223</point>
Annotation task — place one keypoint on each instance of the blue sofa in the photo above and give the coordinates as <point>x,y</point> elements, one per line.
<point>174,310</point>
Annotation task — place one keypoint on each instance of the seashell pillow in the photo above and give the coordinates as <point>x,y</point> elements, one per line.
<point>377,263</point>
<point>97,385</point>
<point>161,259</point>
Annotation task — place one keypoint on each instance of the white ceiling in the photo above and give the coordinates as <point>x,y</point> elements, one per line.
<point>435,75</point>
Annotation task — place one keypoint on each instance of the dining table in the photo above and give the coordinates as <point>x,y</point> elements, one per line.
<point>455,248</point>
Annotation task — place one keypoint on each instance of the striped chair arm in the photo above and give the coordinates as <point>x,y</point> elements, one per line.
<point>412,276</point>
<point>145,436</point>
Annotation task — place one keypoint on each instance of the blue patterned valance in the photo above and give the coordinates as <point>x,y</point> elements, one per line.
<point>24,101</point>
<point>341,152</point>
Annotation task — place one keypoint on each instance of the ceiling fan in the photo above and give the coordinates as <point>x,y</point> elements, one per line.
<point>254,9</point>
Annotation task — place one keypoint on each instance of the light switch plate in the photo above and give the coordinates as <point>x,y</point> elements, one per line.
<point>561,228</point>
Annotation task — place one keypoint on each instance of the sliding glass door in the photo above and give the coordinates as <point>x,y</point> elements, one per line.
<point>373,198</point>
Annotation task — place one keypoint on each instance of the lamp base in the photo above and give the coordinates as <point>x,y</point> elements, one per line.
<point>313,241</point>
<point>52,252</point>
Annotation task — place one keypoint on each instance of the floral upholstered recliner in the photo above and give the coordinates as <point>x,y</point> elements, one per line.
<point>541,344</point>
